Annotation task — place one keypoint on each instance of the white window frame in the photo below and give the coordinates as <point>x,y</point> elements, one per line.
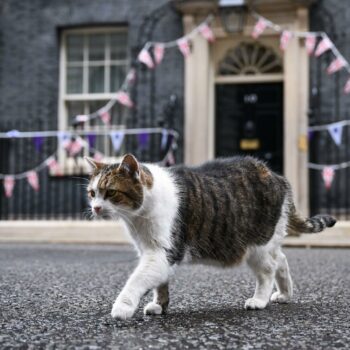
<point>69,165</point>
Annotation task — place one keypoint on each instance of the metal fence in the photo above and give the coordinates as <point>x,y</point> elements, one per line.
<point>62,196</point>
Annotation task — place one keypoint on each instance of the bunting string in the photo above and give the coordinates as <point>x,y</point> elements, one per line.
<point>58,133</point>
<point>338,166</point>
<point>316,43</point>
<point>327,126</point>
<point>328,171</point>
<point>334,129</point>
<point>151,55</point>
<point>24,174</point>
<point>158,48</point>
<point>51,162</point>
<point>201,28</point>
<point>324,44</point>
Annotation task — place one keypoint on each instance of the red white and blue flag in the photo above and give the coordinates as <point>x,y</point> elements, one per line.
<point>207,32</point>
<point>123,98</point>
<point>184,46</point>
<point>328,176</point>
<point>54,166</point>
<point>286,36</point>
<point>145,57</point>
<point>33,179</point>
<point>158,52</point>
<point>324,45</point>
<point>131,76</point>
<point>336,65</point>
<point>9,184</point>
<point>310,43</point>
<point>259,28</point>
<point>105,117</point>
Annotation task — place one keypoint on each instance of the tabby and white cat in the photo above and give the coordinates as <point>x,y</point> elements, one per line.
<point>223,212</point>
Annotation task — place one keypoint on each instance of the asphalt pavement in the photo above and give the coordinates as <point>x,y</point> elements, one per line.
<point>60,297</point>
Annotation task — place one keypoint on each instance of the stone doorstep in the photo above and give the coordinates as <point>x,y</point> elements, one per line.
<point>64,232</point>
<point>105,232</point>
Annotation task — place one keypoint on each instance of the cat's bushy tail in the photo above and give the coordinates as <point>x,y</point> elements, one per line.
<point>314,224</point>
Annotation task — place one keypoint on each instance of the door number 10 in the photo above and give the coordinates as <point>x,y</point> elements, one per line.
<point>251,98</point>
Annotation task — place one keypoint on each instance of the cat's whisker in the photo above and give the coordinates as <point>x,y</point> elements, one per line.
<point>80,178</point>
<point>130,225</point>
<point>82,185</point>
<point>132,214</point>
<point>87,213</point>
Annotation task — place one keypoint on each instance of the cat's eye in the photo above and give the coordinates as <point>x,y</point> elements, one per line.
<point>92,193</point>
<point>110,193</point>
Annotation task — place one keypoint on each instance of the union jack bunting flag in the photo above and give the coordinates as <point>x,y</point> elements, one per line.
<point>336,65</point>
<point>207,32</point>
<point>286,36</point>
<point>184,46</point>
<point>259,28</point>
<point>310,43</point>
<point>145,57</point>
<point>324,45</point>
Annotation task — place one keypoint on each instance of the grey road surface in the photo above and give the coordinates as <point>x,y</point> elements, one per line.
<point>60,297</point>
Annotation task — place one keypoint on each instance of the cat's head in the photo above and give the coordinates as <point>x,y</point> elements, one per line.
<point>117,189</point>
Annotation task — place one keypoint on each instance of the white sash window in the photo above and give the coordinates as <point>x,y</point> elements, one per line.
<point>93,65</point>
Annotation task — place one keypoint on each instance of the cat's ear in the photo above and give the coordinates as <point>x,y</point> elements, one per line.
<point>130,164</point>
<point>93,164</point>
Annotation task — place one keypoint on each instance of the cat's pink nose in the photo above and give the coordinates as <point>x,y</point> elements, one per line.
<point>97,210</point>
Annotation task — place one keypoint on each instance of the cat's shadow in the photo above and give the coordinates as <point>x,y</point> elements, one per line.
<point>235,316</point>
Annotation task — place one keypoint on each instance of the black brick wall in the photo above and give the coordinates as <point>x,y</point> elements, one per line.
<point>329,104</point>
<point>29,71</point>
<point>29,81</point>
<point>29,52</point>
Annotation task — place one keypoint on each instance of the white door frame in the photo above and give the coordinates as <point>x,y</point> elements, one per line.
<point>200,100</point>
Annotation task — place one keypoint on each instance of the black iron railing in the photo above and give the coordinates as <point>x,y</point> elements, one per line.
<point>329,104</point>
<point>62,191</point>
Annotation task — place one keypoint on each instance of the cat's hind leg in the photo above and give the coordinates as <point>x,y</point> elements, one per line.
<point>284,281</point>
<point>160,301</point>
<point>264,266</point>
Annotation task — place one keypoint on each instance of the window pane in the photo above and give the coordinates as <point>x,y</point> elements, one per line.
<point>96,79</point>
<point>117,77</point>
<point>118,46</point>
<point>119,114</point>
<point>74,80</point>
<point>74,108</point>
<point>93,107</point>
<point>103,142</point>
<point>75,48</point>
<point>97,47</point>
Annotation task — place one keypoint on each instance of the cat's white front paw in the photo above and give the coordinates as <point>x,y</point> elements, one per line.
<point>255,304</point>
<point>278,297</point>
<point>153,308</point>
<point>123,309</point>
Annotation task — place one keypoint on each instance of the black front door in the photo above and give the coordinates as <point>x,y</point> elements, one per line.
<point>249,121</point>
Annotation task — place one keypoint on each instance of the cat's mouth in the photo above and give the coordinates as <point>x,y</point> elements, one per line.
<point>102,216</point>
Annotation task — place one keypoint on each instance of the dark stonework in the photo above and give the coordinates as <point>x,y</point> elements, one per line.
<point>329,104</point>
<point>30,34</point>
<point>29,47</point>
<point>29,82</point>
